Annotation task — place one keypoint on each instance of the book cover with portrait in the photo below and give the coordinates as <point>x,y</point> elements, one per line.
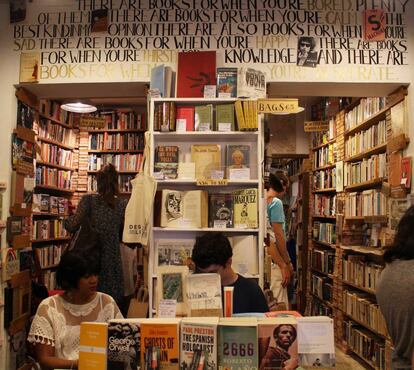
<point>238,161</point>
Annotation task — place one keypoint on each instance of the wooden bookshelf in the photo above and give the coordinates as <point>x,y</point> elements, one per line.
<point>365,185</point>
<point>368,219</point>
<point>48,214</point>
<point>55,120</point>
<point>53,165</point>
<point>366,326</point>
<point>55,189</point>
<point>120,172</point>
<point>326,167</point>
<point>325,302</point>
<point>323,144</point>
<point>114,130</point>
<point>363,249</point>
<point>63,239</point>
<point>330,276</point>
<point>116,151</point>
<point>324,244</point>
<point>327,190</point>
<point>361,358</point>
<point>366,290</point>
<point>54,142</point>
<point>331,218</point>
<point>367,153</point>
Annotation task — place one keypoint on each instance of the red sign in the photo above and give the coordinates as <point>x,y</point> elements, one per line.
<point>374,25</point>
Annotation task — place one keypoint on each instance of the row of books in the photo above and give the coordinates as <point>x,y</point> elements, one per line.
<point>323,137</point>
<point>361,307</point>
<point>208,117</point>
<point>48,229</point>
<point>206,162</point>
<point>365,109</point>
<point>54,154</point>
<point>324,232</point>
<point>319,308</point>
<point>50,204</point>
<point>294,166</point>
<point>366,140</point>
<point>201,342</point>
<point>124,141</point>
<point>122,162</point>
<point>123,120</point>
<point>25,115</point>
<point>124,183</point>
<point>49,279</point>
<point>322,287</point>
<point>365,345</point>
<point>323,260</point>
<point>324,205</point>
<point>194,209</point>
<point>53,177</point>
<point>370,202</point>
<point>325,156</point>
<point>47,129</point>
<point>324,179</point>
<point>49,255</point>
<point>53,109</point>
<point>374,167</point>
<point>357,270</point>
<point>375,235</point>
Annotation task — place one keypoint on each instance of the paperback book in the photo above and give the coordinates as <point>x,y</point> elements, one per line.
<point>238,161</point>
<point>220,210</point>
<point>207,159</point>
<point>173,252</point>
<point>166,162</point>
<point>227,82</point>
<point>245,208</point>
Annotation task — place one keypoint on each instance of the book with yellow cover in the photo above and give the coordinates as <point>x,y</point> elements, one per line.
<point>92,346</point>
<point>207,159</point>
<point>241,123</point>
<point>160,344</point>
<point>245,209</point>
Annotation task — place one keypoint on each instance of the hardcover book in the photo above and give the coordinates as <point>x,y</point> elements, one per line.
<point>251,83</point>
<point>160,344</point>
<point>245,208</point>
<point>225,117</point>
<point>220,210</point>
<point>184,209</point>
<point>238,161</point>
<point>92,345</point>
<point>203,117</point>
<point>171,286</point>
<point>173,252</point>
<point>237,339</point>
<point>195,69</point>
<point>278,345</point>
<point>166,161</point>
<point>245,259</point>
<point>198,343</point>
<point>184,119</point>
<point>207,159</point>
<point>123,349</point>
<point>161,80</point>
<point>227,82</point>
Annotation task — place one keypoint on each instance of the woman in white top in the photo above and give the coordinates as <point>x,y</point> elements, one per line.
<point>55,329</point>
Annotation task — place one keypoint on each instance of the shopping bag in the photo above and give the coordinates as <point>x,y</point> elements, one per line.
<point>11,264</point>
<point>138,212</point>
<point>138,306</point>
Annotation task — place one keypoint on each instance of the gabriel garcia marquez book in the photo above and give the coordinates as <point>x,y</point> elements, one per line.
<point>245,208</point>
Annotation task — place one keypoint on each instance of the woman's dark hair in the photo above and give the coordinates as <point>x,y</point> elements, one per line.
<point>73,266</point>
<point>211,249</point>
<point>107,182</point>
<point>403,247</point>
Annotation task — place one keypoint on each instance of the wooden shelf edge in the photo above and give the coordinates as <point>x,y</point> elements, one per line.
<point>332,141</point>
<point>367,153</point>
<point>366,326</point>
<point>58,166</point>
<point>366,290</point>
<point>54,142</point>
<point>365,184</point>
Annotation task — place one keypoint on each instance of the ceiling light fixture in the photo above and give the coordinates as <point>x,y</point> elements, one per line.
<point>78,107</point>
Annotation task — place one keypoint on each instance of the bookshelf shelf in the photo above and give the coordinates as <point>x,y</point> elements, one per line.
<point>210,136</point>
<point>50,267</point>
<point>362,358</point>
<point>54,142</point>
<point>115,151</point>
<point>331,276</point>
<point>362,249</point>
<point>54,120</point>
<point>325,244</point>
<point>332,218</point>
<point>366,290</point>
<point>325,302</point>
<point>206,229</point>
<point>326,167</point>
<point>194,182</point>
<point>365,325</point>
<point>55,189</point>
<point>366,154</point>
<point>110,130</point>
<point>368,219</point>
<point>50,240</point>
<point>120,172</point>
<point>323,145</point>
<point>48,164</point>
<point>48,214</point>
<point>365,185</point>
<point>373,119</point>
<point>327,190</point>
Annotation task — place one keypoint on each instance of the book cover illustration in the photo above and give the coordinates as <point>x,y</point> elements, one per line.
<point>237,344</point>
<point>227,82</point>
<point>166,161</point>
<point>160,344</point>
<point>22,155</point>
<point>25,115</point>
<point>190,80</point>
<point>245,208</point>
<point>251,83</point>
<point>123,349</point>
<point>198,343</point>
<point>238,161</point>
<point>172,286</point>
<point>173,252</point>
<point>207,159</point>
<point>278,345</point>
<point>220,210</point>
<point>99,20</point>
<point>29,67</point>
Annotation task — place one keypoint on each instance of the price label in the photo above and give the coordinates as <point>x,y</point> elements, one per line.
<point>181,125</point>
<point>204,126</point>
<point>220,224</point>
<point>224,126</point>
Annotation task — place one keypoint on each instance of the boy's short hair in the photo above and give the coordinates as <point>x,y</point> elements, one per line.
<point>74,265</point>
<point>275,183</point>
<point>211,249</point>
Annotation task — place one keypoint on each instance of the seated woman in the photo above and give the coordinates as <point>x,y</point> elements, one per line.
<point>55,329</point>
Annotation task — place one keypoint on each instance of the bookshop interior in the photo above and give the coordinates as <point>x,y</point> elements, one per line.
<point>217,221</point>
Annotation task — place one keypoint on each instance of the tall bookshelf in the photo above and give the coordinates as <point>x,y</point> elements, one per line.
<point>365,138</point>
<point>184,140</point>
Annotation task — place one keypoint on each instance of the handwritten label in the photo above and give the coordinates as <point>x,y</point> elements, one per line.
<point>224,126</point>
<point>181,125</point>
<point>239,173</point>
<point>277,106</point>
<point>220,224</point>
<point>95,122</point>
<point>204,126</point>
<point>209,91</point>
<point>314,126</point>
<point>167,308</point>
<point>212,182</point>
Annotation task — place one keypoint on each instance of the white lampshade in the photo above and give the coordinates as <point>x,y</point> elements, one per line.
<point>78,107</point>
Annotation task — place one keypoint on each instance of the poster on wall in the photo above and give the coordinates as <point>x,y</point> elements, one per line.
<point>29,67</point>
<point>374,25</point>
<point>17,10</point>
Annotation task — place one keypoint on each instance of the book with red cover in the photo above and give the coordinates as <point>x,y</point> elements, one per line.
<point>187,114</point>
<point>195,70</point>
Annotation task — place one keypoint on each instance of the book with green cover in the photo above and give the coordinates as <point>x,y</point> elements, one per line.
<point>203,117</point>
<point>245,208</point>
<point>225,117</point>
